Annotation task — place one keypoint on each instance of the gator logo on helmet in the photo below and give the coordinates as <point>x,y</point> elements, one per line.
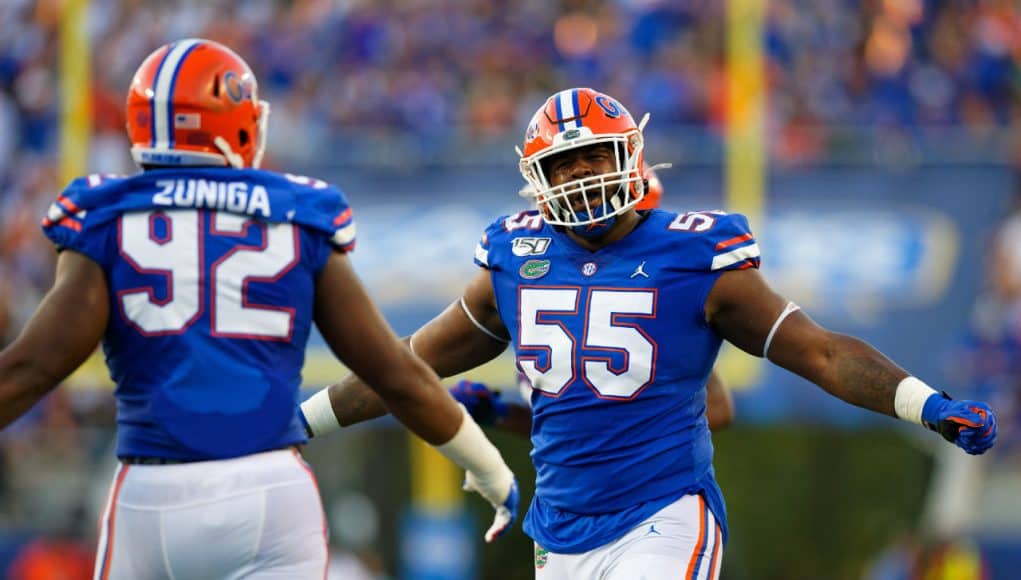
<point>238,88</point>
<point>612,108</point>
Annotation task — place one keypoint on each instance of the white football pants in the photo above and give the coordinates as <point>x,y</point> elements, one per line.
<point>681,540</point>
<point>253,517</point>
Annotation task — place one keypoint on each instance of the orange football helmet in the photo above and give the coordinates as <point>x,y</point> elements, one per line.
<point>195,102</point>
<point>578,118</point>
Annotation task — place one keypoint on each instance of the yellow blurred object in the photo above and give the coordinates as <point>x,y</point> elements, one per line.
<point>93,374</point>
<point>746,104</point>
<point>746,154</point>
<point>435,481</point>
<point>738,369</point>
<point>955,561</point>
<point>75,102</point>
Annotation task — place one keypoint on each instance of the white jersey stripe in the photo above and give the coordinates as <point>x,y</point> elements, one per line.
<point>482,254</point>
<point>164,85</point>
<point>345,235</point>
<point>735,256</point>
<point>55,213</point>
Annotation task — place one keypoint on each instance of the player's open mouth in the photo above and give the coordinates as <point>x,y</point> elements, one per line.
<point>580,205</point>
<point>577,196</point>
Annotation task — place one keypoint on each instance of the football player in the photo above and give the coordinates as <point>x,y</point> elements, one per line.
<point>202,276</point>
<point>616,317</point>
<point>488,406</point>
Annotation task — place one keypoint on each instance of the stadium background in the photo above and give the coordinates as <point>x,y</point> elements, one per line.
<point>875,145</point>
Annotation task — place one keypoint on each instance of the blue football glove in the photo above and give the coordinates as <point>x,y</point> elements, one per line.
<point>484,405</point>
<point>971,425</point>
<point>506,512</point>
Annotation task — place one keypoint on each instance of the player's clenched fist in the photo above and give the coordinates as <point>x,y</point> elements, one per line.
<point>971,425</point>
<point>484,405</point>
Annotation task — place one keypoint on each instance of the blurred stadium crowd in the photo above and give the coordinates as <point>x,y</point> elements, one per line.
<point>441,77</point>
<point>465,71</point>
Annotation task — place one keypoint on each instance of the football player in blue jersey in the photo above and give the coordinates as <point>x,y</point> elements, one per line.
<point>202,276</point>
<point>616,317</point>
<point>489,408</point>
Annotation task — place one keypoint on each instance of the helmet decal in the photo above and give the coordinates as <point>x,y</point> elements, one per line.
<point>237,88</point>
<point>161,102</point>
<point>610,106</point>
<point>568,113</point>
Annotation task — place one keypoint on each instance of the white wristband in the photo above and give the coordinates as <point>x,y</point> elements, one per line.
<point>319,413</point>
<point>910,398</point>
<point>472,451</point>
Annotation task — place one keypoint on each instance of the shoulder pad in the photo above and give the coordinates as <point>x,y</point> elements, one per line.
<point>716,240</point>
<point>81,204</point>
<point>498,235</point>
<point>322,207</point>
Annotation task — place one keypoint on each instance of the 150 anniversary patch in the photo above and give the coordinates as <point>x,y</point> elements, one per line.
<point>530,246</point>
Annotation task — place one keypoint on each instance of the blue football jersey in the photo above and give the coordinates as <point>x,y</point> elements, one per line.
<point>617,349</point>
<point>211,274</point>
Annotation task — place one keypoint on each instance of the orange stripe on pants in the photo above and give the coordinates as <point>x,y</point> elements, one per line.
<point>700,544</point>
<point>108,552</point>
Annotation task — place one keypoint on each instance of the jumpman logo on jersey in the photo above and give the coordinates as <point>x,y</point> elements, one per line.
<point>639,271</point>
<point>652,528</point>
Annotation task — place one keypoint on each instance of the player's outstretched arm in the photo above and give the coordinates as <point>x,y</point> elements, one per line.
<point>63,332</point>
<point>361,338</point>
<point>450,344</point>
<point>743,309</point>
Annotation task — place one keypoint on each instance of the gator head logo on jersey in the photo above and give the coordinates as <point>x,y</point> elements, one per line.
<point>541,556</point>
<point>533,269</point>
<point>195,102</point>
<point>574,119</point>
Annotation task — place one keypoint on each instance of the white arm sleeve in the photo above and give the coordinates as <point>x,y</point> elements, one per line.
<point>472,451</point>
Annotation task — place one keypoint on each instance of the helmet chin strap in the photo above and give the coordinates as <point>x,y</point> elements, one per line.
<point>232,158</point>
